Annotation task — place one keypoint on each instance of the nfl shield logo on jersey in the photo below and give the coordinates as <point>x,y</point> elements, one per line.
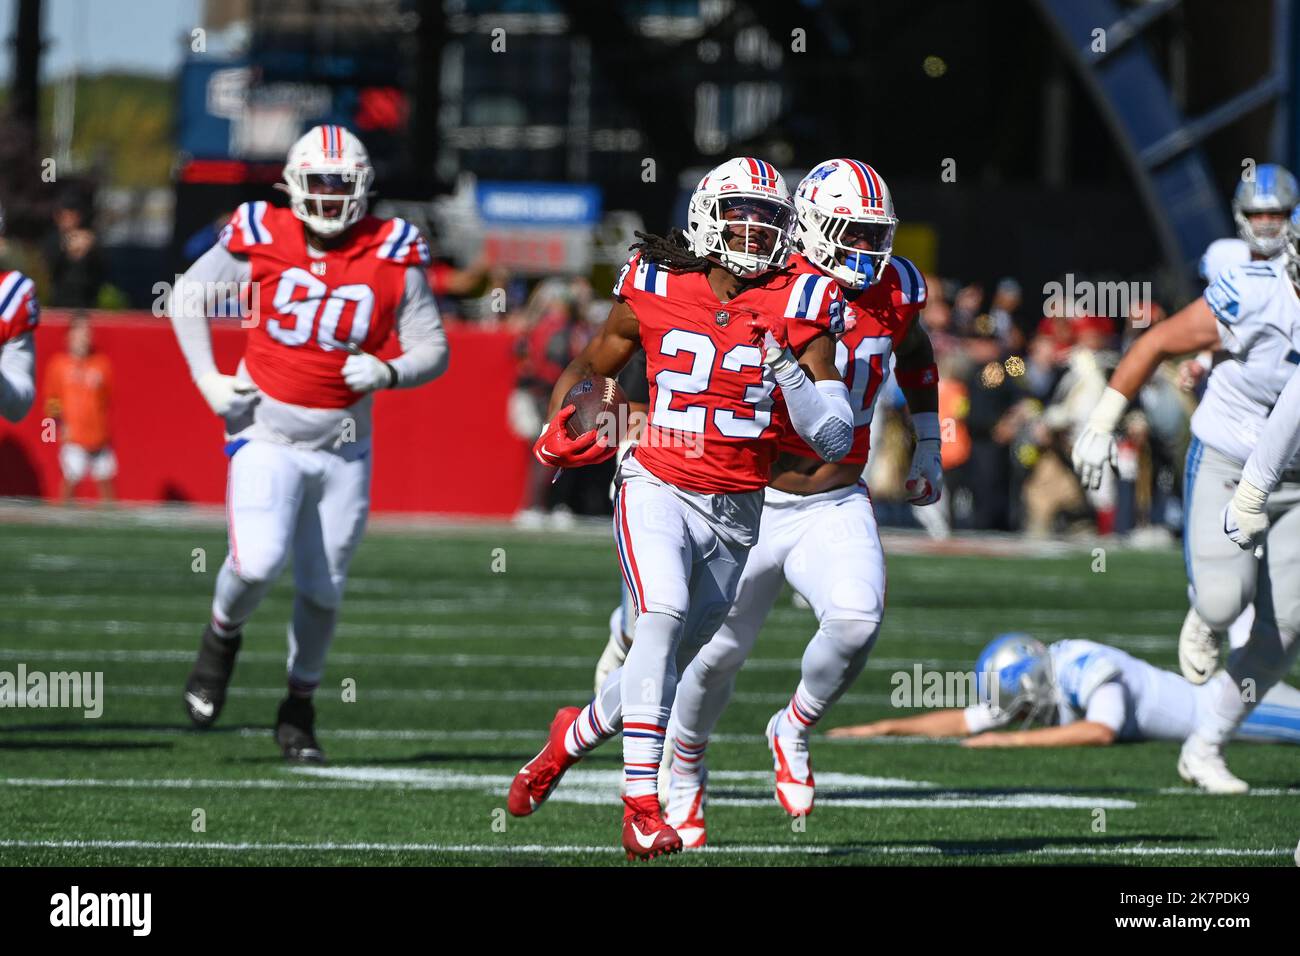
<point>318,268</point>
<point>722,317</point>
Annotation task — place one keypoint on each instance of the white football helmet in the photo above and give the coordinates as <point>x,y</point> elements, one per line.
<point>1014,678</point>
<point>742,203</point>
<point>846,221</point>
<point>1271,189</point>
<point>328,178</point>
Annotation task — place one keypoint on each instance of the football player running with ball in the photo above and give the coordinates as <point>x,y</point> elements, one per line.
<point>333,283</point>
<point>819,529</point>
<point>724,322</point>
<point>1252,312</point>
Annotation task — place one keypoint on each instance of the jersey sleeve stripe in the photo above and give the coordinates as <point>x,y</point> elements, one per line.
<point>395,245</point>
<point>915,290</point>
<point>15,295</point>
<point>7,285</point>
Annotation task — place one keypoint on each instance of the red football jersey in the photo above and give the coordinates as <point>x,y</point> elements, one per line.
<point>883,312</point>
<point>19,312</point>
<point>309,307</point>
<point>711,426</point>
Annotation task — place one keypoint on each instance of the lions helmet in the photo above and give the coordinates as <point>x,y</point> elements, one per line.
<point>1272,189</point>
<point>328,177</point>
<point>846,221</point>
<point>1013,676</point>
<point>744,202</point>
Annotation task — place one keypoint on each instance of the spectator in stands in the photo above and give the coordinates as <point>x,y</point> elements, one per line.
<point>1007,298</point>
<point>75,263</point>
<point>557,330</point>
<point>996,415</point>
<point>78,390</point>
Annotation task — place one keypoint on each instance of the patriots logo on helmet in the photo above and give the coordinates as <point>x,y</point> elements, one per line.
<point>821,172</point>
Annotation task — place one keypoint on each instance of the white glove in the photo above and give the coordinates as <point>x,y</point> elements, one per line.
<point>1095,447</point>
<point>1244,517</point>
<point>227,395</point>
<point>364,373</point>
<point>924,485</point>
<point>925,481</point>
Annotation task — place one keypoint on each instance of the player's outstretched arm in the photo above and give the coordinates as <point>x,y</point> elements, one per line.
<point>918,377</point>
<point>939,723</point>
<point>17,376</point>
<point>1193,329</point>
<point>187,308</point>
<point>606,354</point>
<point>1081,733</point>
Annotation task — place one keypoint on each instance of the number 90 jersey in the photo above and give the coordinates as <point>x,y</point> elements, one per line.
<point>880,316</point>
<point>711,426</point>
<point>309,308</point>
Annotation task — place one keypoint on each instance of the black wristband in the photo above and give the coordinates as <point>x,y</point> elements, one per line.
<point>392,375</point>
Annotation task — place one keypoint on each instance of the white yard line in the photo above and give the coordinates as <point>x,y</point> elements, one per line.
<point>532,849</point>
<point>502,661</point>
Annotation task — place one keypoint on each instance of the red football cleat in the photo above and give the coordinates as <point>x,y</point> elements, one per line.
<point>645,834</point>
<point>794,791</point>
<point>537,778</point>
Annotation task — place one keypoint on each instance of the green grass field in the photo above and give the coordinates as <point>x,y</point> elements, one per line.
<point>458,670</point>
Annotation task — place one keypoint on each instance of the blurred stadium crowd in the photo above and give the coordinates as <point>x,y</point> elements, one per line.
<point>1016,382</point>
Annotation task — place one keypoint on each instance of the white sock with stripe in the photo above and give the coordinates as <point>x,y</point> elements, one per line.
<point>688,761</point>
<point>643,750</point>
<point>591,728</point>
<point>801,714</point>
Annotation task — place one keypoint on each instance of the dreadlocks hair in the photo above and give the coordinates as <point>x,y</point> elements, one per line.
<point>672,251</point>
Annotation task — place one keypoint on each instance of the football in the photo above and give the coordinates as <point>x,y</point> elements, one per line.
<point>598,403</point>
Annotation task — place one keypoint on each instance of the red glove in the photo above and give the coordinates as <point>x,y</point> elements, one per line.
<point>762,326</point>
<point>557,450</point>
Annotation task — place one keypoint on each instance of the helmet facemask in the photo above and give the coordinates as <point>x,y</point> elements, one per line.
<point>1020,683</point>
<point>328,200</point>
<point>1265,238</point>
<point>745,234</point>
<point>1291,245</point>
<point>852,251</point>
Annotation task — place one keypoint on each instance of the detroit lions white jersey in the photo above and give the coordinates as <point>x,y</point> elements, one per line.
<point>1259,326</point>
<point>1222,254</point>
<point>1095,682</point>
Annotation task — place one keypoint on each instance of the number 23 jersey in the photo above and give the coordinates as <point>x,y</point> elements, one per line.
<point>310,307</point>
<point>711,427</point>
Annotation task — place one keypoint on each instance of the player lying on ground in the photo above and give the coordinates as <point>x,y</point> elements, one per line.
<point>333,283</point>
<point>1253,313</point>
<point>1090,695</point>
<point>19,314</point>
<point>1261,206</point>
<point>723,322</point>
<point>819,530</point>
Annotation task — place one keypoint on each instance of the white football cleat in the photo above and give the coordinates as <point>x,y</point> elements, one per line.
<point>1198,649</point>
<point>1202,764</point>
<point>685,811</point>
<point>614,654</point>
<point>794,778</point>
<point>666,772</point>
